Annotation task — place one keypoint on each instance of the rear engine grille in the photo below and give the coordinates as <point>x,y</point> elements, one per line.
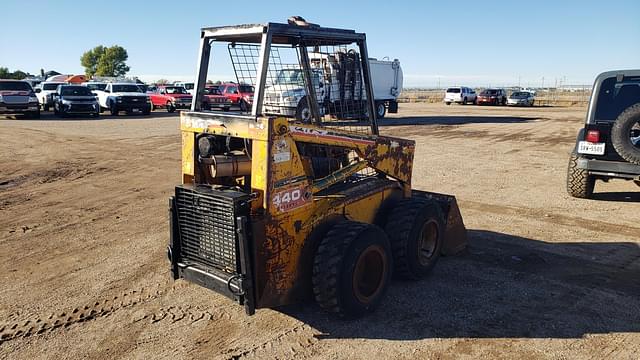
<point>207,226</point>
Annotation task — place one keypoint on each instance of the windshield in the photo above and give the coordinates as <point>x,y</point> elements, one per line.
<point>246,89</point>
<point>188,86</point>
<point>175,90</point>
<point>50,86</point>
<point>14,86</point>
<point>519,94</point>
<point>453,90</point>
<point>212,91</point>
<point>126,88</point>
<point>75,91</point>
<point>489,92</point>
<point>100,87</point>
<point>290,77</point>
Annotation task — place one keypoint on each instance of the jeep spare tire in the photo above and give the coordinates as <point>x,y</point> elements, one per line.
<point>625,134</point>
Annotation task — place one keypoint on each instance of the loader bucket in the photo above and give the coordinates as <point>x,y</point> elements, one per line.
<point>455,234</point>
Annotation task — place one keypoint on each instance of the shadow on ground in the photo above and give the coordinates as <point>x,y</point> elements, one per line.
<point>49,116</point>
<point>505,287</point>
<point>452,120</point>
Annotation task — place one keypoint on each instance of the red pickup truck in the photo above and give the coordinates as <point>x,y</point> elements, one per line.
<point>170,98</point>
<point>239,94</point>
<point>214,99</point>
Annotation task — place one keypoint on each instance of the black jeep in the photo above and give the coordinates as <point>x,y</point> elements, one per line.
<point>608,147</point>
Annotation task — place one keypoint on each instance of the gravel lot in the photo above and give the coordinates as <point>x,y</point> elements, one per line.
<point>83,230</point>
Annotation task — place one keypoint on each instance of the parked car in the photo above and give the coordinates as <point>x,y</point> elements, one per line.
<point>75,99</point>
<point>238,94</point>
<point>492,97</point>
<point>461,95</point>
<point>608,145</point>
<point>213,98</point>
<point>44,91</point>
<point>521,98</point>
<point>124,97</point>
<point>170,98</point>
<point>18,97</point>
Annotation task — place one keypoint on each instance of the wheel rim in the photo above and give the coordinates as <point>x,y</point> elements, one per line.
<point>369,273</point>
<point>305,114</point>
<point>634,135</point>
<point>380,109</point>
<point>428,241</point>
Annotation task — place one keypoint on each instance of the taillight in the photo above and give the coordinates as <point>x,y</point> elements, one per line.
<point>593,136</point>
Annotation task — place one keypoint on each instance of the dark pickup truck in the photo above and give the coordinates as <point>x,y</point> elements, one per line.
<point>17,98</point>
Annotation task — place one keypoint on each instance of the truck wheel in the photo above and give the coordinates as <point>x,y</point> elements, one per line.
<point>352,269</point>
<point>625,134</point>
<point>244,106</point>
<point>303,113</point>
<point>380,109</point>
<point>579,183</point>
<point>447,102</point>
<point>34,115</point>
<point>45,107</point>
<point>415,229</point>
<point>55,110</point>
<point>170,107</point>
<point>113,108</point>
<point>464,101</point>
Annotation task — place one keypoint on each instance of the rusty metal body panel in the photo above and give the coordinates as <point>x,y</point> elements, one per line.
<point>288,206</point>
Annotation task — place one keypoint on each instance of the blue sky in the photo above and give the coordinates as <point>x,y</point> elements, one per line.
<point>476,43</point>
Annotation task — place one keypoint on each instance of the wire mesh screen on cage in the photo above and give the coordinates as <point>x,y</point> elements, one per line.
<point>332,80</point>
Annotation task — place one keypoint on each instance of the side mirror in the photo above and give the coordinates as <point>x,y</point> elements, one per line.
<point>38,90</point>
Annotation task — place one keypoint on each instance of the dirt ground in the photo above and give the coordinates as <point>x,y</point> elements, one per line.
<point>83,231</point>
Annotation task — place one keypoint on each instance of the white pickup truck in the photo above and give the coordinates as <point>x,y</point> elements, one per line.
<point>126,97</point>
<point>287,94</point>
<point>44,92</point>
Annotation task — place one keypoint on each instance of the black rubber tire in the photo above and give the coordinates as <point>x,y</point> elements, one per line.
<point>55,110</point>
<point>45,107</point>
<point>637,182</point>
<point>303,113</point>
<point>404,228</point>
<point>381,110</point>
<point>113,109</point>
<point>152,107</point>
<point>464,101</point>
<point>170,107</point>
<point>448,103</point>
<point>244,106</point>
<point>335,263</point>
<point>579,183</point>
<point>34,115</point>
<point>620,134</point>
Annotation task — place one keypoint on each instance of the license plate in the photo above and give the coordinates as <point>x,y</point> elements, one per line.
<point>585,147</point>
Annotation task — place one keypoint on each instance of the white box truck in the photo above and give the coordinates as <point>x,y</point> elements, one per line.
<point>335,86</point>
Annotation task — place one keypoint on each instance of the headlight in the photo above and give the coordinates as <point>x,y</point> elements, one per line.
<point>31,99</point>
<point>66,102</point>
<point>1,99</point>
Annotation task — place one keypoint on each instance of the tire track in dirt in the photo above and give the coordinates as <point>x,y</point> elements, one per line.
<point>554,218</point>
<point>100,308</point>
<point>300,344</point>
